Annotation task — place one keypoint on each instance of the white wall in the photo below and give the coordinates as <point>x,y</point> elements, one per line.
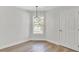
<point>68,17</point>
<point>51,27</point>
<point>14,26</point>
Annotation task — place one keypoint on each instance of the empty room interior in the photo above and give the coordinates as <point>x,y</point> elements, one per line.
<point>39,28</point>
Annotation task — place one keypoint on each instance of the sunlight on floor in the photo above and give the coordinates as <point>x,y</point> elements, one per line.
<point>39,48</point>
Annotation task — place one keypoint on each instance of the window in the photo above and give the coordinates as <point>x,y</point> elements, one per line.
<point>38,25</point>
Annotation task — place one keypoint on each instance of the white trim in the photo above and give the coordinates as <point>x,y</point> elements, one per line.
<point>53,42</point>
<point>9,45</point>
<point>60,44</point>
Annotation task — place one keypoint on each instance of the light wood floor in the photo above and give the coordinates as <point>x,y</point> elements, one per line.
<point>37,46</point>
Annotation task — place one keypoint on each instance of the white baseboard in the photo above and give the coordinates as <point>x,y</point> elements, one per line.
<point>13,44</point>
<point>51,41</point>
<point>60,44</point>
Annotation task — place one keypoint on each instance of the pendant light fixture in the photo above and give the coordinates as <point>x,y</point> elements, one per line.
<point>36,11</point>
<point>38,23</point>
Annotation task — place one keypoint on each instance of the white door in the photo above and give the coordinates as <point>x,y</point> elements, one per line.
<point>61,29</point>
<point>76,40</point>
<point>66,29</point>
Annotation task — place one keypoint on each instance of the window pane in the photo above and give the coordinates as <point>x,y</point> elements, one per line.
<point>38,25</point>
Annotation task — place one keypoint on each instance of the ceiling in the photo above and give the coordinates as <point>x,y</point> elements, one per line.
<point>33,8</point>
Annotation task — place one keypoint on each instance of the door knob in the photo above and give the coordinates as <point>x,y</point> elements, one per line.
<point>78,46</point>
<point>60,30</point>
<point>78,29</point>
